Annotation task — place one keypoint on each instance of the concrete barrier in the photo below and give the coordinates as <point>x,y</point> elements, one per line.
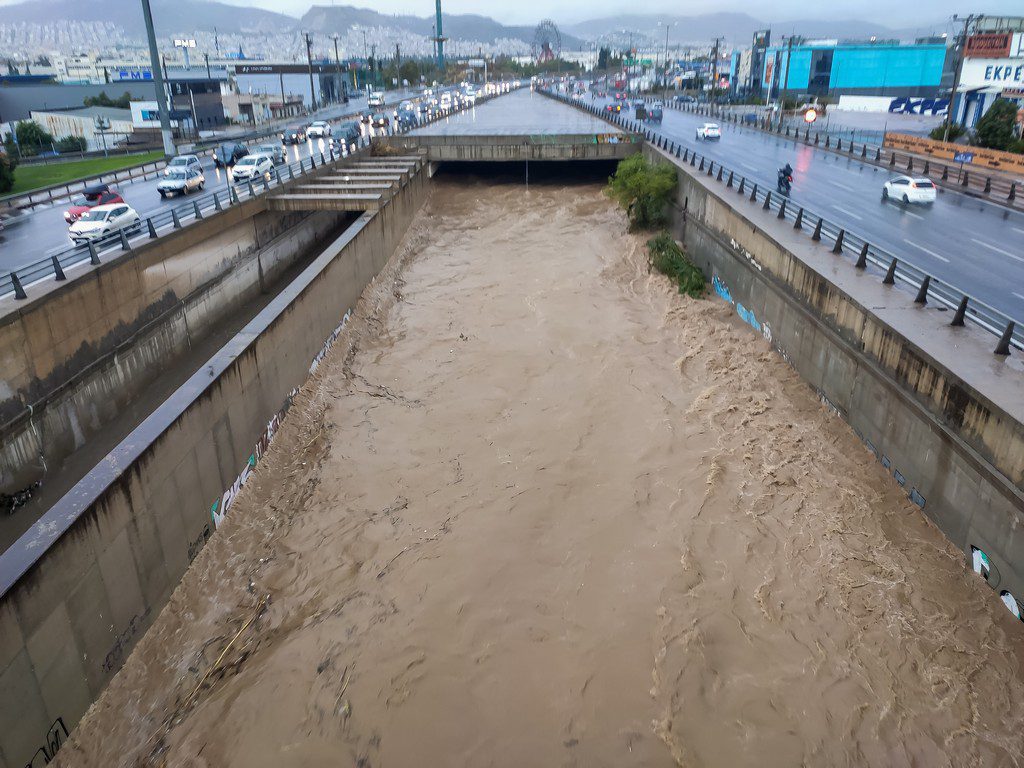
<point>519,148</point>
<point>82,586</point>
<point>927,399</point>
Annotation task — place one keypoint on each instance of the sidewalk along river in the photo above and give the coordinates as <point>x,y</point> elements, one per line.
<point>536,508</point>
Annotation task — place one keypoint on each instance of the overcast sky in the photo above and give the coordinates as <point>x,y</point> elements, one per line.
<point>892,14</point>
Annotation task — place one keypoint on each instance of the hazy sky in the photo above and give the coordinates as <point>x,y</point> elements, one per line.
<point>530,11</point>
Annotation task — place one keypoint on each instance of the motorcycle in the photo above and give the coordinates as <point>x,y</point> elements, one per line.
<point>785,182</point>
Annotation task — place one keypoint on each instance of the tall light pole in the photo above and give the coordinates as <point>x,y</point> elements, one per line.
<point>959,72</point>
<point>337,66</point>
<point>158,81</point>
<point>309,61</point>
<point>439,38</point>
<point>668,26</point>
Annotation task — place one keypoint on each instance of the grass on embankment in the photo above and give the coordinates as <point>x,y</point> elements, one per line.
<point>668,258</point>
<point>30,177</point>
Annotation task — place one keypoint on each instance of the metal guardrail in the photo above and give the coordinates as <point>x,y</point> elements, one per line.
<point>999,189</point>
<point>894,270</point>
<point>57,192</point>
<point>56,266</point>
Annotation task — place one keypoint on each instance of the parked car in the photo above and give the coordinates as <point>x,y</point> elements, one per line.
<point>293,134</point>
<point>709,132</point>
<point>375,99</point>
<point>252,167</point>
<point>92,196</point>
<point>187,162</point>
<point>180,181</point>
<point>320,129</point>
<point>274,150</point>
<point>909,189</point>
<point>227,155</point>
<point>102,221</point>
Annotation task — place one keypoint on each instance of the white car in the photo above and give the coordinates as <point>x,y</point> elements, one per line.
<point>102,221</point>
<point>908,189</point>
<point>180,181</point>
<point>375,99</point>
<point>318,130</point>
<point>187,162</point>
<point>251,167</point>
<point>709,132</point>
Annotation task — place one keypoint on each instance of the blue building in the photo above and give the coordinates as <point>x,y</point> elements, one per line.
<point>877,69</point>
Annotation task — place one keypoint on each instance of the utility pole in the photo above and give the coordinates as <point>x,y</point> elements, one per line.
<point>206,57</point>
<point>398,65</point>
<point>714,69</point>
<point>158,81</point>
<point>783,84</point>
<point>309,61</point>
<point>374,65</point>
<point>337,67</point>
<point>959,72</point>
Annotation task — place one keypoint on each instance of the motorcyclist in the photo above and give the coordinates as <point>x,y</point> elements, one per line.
<point>785,178</point>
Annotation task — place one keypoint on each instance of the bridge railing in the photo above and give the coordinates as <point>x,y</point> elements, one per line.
<point>57,265</point>
<point>892,269</point>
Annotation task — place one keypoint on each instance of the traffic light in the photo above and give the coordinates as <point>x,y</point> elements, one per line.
<point>810,115</point>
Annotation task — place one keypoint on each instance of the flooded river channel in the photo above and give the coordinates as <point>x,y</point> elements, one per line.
<point>537,509</point>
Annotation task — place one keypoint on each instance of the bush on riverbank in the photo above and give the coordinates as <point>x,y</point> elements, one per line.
<point>665,255</point>
<point>644,189</point>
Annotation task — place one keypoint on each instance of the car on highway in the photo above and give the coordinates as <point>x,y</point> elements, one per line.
<point>103,221</point>
<point>180,181</point>
<point>227,155</point>
<point>349,132</point>
<point>621,96</point>
<point>380,120</point>
<point>709,132</point>
<point>909,189</point>
<point>683,99</point>
<point>375,99</point>
<point>183,161</point>
<point>613,107</point>
<point>274,150</point>
<point>92,196</point>
<point>251,167</point>
<point>293,134</point>
<point>320,129</point>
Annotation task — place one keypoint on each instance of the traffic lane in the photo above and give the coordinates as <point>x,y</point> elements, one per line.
<point>43,232</point>
<point>959,239</point>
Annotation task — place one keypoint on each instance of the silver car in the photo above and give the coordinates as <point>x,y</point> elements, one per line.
<point>183,161</point>
<point>180,181</point>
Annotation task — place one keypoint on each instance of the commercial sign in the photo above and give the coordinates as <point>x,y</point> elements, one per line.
<point>179,43</point>
<point>992,73</point>
<point>134,74</point>
<point>282,69</point>
<point>989,45</point>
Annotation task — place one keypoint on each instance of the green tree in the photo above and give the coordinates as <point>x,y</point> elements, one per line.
<point>644,190</point>
<point>995,128</point>
<point>72,144</point>
<point>603,56</point>
<point>102,100</point>
<point>32,138</point>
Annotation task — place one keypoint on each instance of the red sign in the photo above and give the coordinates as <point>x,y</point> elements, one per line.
<point>989,45</point>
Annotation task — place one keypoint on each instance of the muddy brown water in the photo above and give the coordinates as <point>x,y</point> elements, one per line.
<point>538,509</point>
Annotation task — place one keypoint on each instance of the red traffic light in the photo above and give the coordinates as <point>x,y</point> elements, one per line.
<point>810,115</point>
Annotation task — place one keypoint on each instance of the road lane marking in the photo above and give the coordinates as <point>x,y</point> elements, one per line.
<point>748,167</point>
<point>1017,229</point>
<point>997,250</point>
<point>1017,295</point>
<point>930,253</point>
<point>915,215</point>
<point>848,213</point>
<point>842,186</point>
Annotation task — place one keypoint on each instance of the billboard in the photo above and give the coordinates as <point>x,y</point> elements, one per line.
<point>988,45</point>
<point>992,73</point>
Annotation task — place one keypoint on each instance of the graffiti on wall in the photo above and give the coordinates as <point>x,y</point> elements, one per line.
<point>220,507</point>
<point>55,737</point>
<point>116,655</point>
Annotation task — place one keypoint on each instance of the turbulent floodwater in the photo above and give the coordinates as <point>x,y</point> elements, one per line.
<point>537,509</point>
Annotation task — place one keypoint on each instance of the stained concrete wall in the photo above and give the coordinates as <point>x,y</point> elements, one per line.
<point>894,370</point>
<point>82,586</point>
<point>553,147</point>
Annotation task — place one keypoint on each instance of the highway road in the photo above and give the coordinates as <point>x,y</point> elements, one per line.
<point>972,244</point>
<point>44,232</point>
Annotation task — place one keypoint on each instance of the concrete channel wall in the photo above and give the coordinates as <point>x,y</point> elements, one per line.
<point>82,586</point>
<point>934,406</point>
<point>519,148</point>
<point>78,356</point>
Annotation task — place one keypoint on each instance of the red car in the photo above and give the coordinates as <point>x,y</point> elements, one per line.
<point>613,107</point>
<point>97,194</point>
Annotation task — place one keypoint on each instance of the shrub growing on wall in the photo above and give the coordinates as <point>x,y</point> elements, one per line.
<point>644,189</point>
<point>6,174</point>
<point>665,255</point>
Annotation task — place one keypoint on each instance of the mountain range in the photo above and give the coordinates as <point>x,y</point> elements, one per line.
<point>174,17</point>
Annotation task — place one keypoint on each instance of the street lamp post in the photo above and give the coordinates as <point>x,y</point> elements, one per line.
<point>665,72</point>
<point>959,72</point>
<point>309,61</point>
<point>158,81</point>
<point>337,66</point>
